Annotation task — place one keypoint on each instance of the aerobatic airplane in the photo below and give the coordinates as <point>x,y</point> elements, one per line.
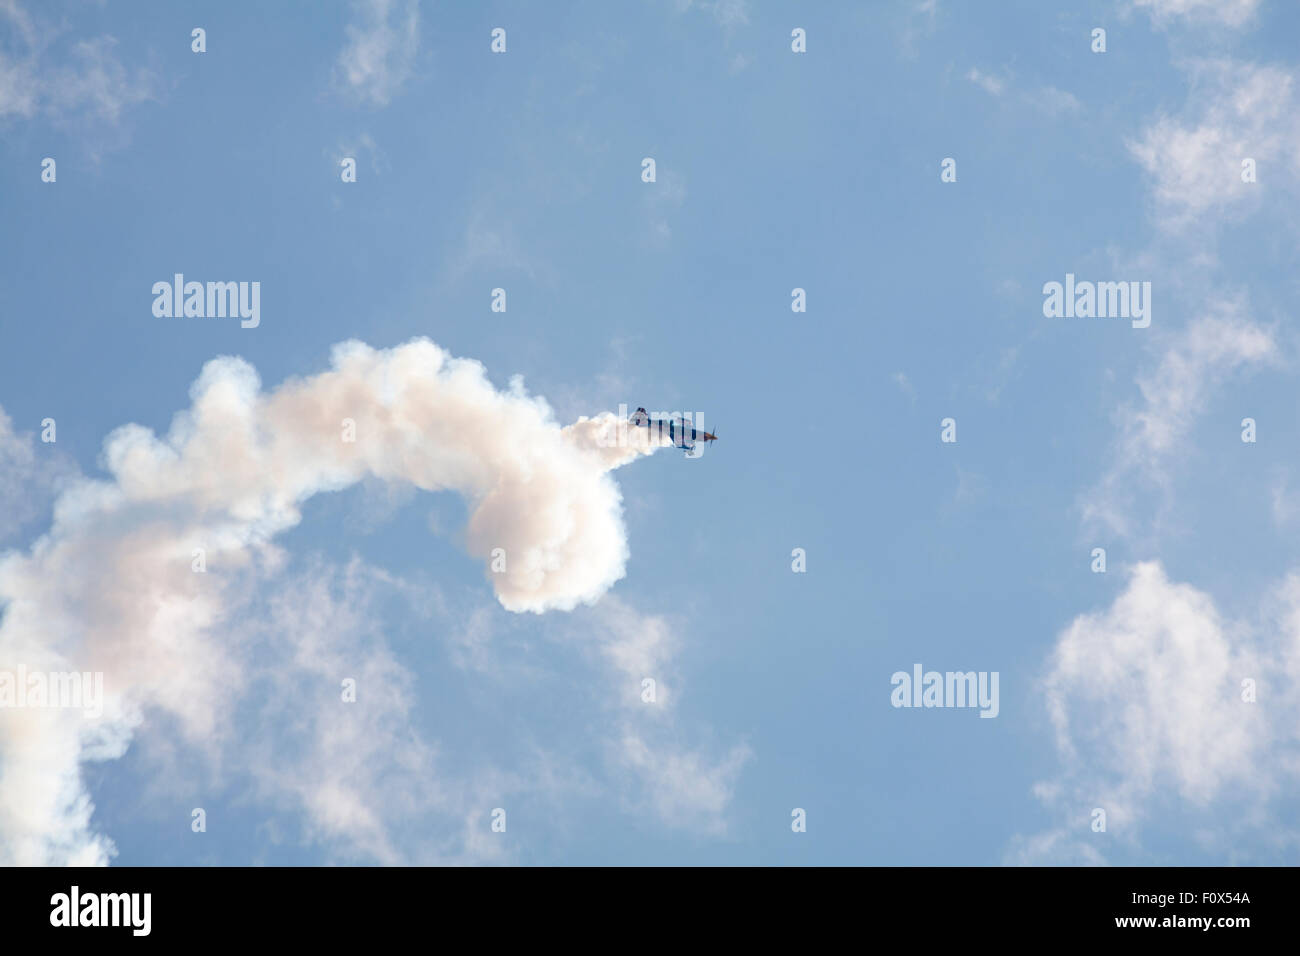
<point>677,430</point>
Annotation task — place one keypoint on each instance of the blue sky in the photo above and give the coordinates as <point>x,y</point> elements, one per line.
<point>775,170</point>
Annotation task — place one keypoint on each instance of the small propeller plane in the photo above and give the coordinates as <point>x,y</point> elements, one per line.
<point>678,430</point>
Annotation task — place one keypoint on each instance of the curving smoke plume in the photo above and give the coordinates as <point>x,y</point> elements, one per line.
<point>112,588</point>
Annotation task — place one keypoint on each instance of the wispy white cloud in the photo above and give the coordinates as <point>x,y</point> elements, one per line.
<point>989,84</point>
<point>1053,101</point>
<point>1236,111</point>
<point>1233,13</point>
<point>1195,361</point>
<point>491,242</point>
<point>361,776</point>
<point>915,23</point>
<point>651,765</point>
<point>356,147</point>
<point>1047,99</point>
<point>904,384</point>
<point>382,43</point>
<point>81,81</point>
<point>726,13</point>
<point>31,474</point>
<point>665,195</point>
<point>732,16</point>
<point>684,786</point>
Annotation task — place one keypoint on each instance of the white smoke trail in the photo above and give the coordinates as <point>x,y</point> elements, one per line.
<point>111,586</point>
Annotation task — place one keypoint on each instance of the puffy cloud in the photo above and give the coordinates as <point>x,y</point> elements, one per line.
<point>1148,703</point>
<point>1148,693</point>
